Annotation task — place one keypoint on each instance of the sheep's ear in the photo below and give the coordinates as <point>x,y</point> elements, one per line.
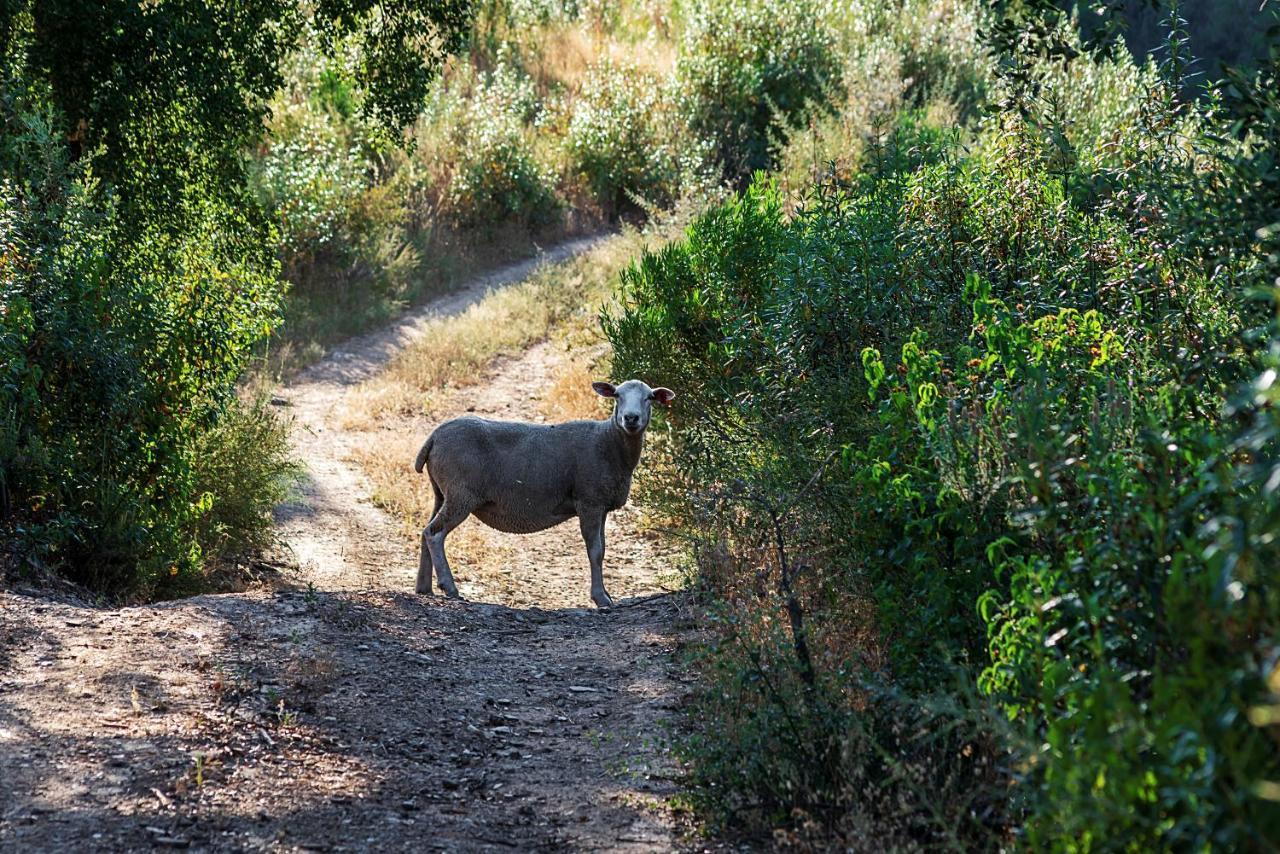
<point>605,389</point>
<point>664,396</point>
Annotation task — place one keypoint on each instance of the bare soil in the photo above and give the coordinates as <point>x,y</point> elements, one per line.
<point>342,711</point>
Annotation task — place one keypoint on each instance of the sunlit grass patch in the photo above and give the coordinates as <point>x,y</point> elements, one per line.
<point>570,395</point>
<point>455,351</point>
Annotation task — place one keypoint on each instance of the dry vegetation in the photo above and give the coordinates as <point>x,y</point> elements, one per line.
<point>561,53</point>
<point>563,299</point>
<point>364,228</point>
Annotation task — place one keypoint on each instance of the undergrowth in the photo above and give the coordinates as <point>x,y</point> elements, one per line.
<point>976,446</point>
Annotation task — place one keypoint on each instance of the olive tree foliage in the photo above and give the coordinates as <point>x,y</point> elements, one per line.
<point>136,269</point>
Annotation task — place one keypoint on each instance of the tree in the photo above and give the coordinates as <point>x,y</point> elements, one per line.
<point>136,271</point>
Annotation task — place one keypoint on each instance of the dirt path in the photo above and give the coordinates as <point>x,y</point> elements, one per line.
<point>335,534</point>
<point>351,714</point>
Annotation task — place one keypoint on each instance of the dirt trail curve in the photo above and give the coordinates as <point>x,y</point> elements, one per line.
<point>335,533</point>
<point>352,714</point>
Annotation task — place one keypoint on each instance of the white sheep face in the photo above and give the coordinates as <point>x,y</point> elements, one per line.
<point>634,403</point>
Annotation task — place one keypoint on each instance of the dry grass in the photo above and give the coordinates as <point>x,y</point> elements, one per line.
<point>570,395</point>
<point>563,56</point>
<point>457,349</point>
<point>396,489</point>
<point>557,53</point>
<point>559,56</point>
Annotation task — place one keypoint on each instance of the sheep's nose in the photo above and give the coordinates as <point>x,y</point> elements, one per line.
<point>631,420</point>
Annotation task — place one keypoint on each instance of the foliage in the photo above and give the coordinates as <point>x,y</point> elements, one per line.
<point>558,118</point>
<point>497,176</point>
<point>343,232</point>
<point>614,138</point>
<point>309,183</point>
<point>138,272</point>
<point>748,70</point>
<point>1011,401</point>
<point>918,57</point>
<point>937,46</point>
<point>245,464</point>
<point>532,12</point>
<point>204,72</point>
<point>105,394</point>
<point>1223,35</point>
<point>849,762</point>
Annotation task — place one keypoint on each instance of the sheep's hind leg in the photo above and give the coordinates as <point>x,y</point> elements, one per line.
<point>451,515</point>
<point>425,567</point>
<point>592,523</point>
<point>423,586</point>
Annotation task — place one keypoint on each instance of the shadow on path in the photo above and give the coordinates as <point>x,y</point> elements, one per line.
<point>322,721</point>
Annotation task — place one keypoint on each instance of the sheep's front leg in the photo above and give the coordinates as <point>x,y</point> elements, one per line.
<point>592,522</point>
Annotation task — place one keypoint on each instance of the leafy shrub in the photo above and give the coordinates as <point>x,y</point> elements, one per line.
<point>105,399</point>
<point>1154,682</point>
<point>343,228</point>
<point>310,183</point>
<point>746,71</point>
<point>942,53</point>
<point>918,57</point>
<point>1037,485</point>
<point>245,468</point>
<point>533,12</point>
<point>848,762</point>
<point>496,177</point>
<point>749,320</point>
<point>1095,107</point>
<point>614,139</point>
<point>138,273</point>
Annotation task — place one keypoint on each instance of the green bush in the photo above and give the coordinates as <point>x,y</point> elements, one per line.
<point>310,182</point>
<point>936,49</point>
<point>105,398</point>
<point>244,465</point>
<point>138,273</point>
<point>534,12</point>
<point>920,57</point>
<point>850,763</point>
<point>338,198</point>
<point>497,179</point>
<point>615,140</point>
<point>747,71</point>
<point>1019,425</point>
<point>1094,108</point>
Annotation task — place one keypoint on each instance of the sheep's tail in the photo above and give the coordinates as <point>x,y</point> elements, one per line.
<point>423,454</point>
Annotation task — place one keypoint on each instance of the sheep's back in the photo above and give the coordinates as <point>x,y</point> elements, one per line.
<point>506,461</point>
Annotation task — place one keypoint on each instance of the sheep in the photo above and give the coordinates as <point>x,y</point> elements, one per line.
<point>521,478</point>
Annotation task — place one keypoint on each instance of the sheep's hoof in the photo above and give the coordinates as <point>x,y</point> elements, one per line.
<point>423,590</point>
<point>452,592</point>
<point>602,600</point>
